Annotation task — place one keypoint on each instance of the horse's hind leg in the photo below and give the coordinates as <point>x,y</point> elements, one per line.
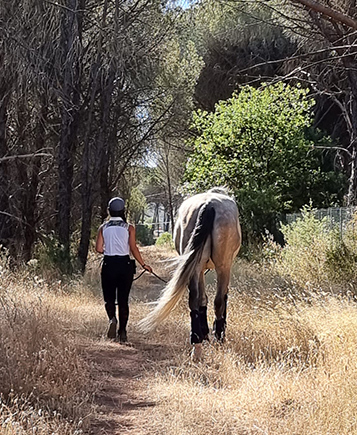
<point>220,303</point>
<point>203,307</point>
<point>196,314</point>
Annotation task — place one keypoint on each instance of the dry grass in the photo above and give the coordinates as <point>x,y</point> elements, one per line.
<point>44,377</point>
<point>288,366</point>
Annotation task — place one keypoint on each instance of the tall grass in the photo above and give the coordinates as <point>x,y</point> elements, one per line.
<point>317,255</point>
<point>288,365</point>
<point>44,378</point>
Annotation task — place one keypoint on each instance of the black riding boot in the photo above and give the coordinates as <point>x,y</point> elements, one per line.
<point>219,329</point>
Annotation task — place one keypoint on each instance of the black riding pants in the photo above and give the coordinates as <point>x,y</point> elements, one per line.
<point>117,278</point>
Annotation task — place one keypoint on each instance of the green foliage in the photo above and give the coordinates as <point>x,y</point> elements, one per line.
<point>231,37</point>
<point>165,240</point>
<point>136,205</point>
<point>50,254</point>
<point>179,70</point>
<point>144,235</point>
<point>316,255</point>
<point>304,256</point>
<point>257,144</point>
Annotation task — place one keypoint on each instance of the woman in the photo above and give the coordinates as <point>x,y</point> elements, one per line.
<point>115,239</point>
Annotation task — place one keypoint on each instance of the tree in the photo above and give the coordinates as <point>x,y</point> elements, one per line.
<point>257,143</point>
<point>326,60</point>
<point>332,25</point>
<point>177,79</point>
<point>136,205</point>
<point>69,76</point>
<point>230,39</point>
<point>25,132</point>
<point>95,84</point>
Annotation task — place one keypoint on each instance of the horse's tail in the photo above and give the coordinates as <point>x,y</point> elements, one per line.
<point>187,264</point>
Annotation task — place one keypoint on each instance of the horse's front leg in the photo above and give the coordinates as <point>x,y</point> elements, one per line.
<point>220,304</point>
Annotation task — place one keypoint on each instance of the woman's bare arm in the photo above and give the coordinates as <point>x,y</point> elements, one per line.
<point>99,245</point>
<point>135,250</point>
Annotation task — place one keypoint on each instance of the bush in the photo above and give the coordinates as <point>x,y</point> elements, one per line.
<point>165,240</point>
<point>342,256</point>
<point>144,235</point>
<point>259,144</point>
<point>316,255</point>
<point>52,256</point>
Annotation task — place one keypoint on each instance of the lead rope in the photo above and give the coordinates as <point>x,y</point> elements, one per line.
<point>141,274</point>
<point>153,273</point>
<point>159,277</point>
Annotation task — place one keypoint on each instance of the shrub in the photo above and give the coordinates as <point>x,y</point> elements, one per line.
<point>52,256</point>
<point>316,255</point>
<point>342,256</point>
<point>165,240</point>
<point>259,144</point>
<point>144,235</point>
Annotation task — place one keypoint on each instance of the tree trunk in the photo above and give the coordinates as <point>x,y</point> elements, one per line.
<point>5,220</point>
<point>351,67</point>
<point>169,187</point>
<point>30,209</point>
<point>85,232</point>
<point>70,41</point>
<point>329,12</point>
<point>90,174</point>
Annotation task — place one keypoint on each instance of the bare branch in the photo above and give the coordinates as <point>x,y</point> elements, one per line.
<point>25,156</point>
<point>328,12</point>
<point>332,148</point>
<point>302,56</point>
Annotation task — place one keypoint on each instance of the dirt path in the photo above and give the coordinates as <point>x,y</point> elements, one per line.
<point>121,401</point>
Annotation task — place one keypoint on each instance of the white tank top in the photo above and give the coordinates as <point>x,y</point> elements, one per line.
<point>116,237</point>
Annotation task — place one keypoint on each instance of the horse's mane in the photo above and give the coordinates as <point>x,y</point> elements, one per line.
<point>222,190</point>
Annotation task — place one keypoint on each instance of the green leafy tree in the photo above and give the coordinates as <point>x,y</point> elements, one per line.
<point>136,205</point>
<point>259,144</point>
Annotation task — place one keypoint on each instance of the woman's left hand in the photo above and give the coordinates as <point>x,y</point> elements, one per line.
<point>147,267</point>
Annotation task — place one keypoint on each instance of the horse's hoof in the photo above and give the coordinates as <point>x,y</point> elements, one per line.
<point>220,340</point>
<point>197,352</point>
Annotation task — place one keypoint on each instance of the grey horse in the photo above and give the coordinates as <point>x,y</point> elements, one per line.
<point>207,235</point>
